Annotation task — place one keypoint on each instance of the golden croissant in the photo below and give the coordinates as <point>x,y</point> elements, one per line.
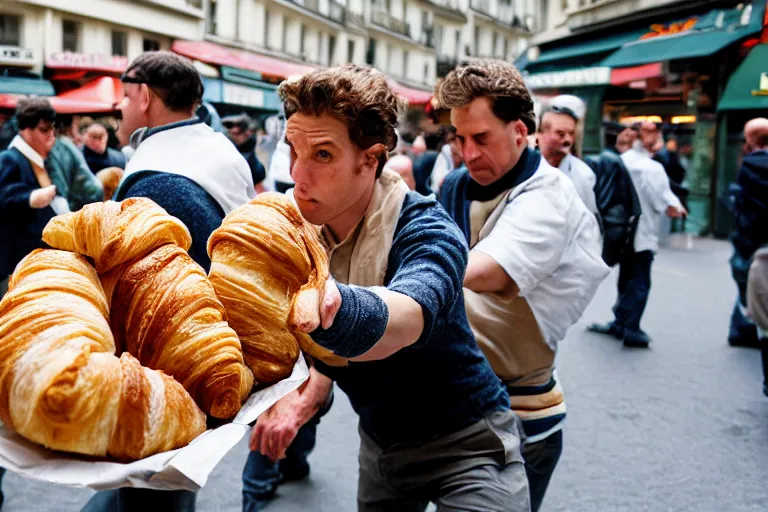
<point>269,269</point>
<point>61,384</point>
<point>164,310</point>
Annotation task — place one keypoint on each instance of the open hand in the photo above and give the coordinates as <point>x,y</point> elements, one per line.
<point>276,429</point>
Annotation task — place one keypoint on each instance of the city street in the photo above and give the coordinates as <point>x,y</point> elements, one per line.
<point>682,426</point>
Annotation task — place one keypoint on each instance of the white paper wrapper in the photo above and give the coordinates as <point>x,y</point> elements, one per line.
<point>187,468</point>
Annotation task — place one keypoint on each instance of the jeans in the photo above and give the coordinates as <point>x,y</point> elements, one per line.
<point>262,477</point>
<point>540,461</point>
<point>634,287</point>
<point>129,499</point>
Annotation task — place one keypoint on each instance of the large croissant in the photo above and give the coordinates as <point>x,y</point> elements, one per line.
<point>61,384</point>
<point>269,268</point>
<point>164,310</point>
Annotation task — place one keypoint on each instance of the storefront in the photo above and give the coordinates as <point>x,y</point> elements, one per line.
<point>745,97</point>
<point>670,72</point>
<point>16,78</point>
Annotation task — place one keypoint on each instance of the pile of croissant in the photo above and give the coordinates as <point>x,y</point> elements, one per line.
<point>116,344</point>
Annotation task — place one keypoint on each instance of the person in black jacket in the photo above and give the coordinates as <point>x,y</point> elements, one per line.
<point>239,132</point>
<point>751,230</point>
<point>97,153</point>
<point>26,189</point>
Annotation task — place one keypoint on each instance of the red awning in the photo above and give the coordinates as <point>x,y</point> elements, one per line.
<point>99,96</point>
<point>622,76</point>
<point>413,96</point>
<point>218,55</point>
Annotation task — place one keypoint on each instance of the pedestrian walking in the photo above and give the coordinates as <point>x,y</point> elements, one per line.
<point>751,225</point>
<point>435,423</point>
<point>534,261</point>
<point>757,302</point>
<point>656,199</point>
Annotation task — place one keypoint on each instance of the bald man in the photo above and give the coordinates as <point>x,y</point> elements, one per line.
<point>751,230</point>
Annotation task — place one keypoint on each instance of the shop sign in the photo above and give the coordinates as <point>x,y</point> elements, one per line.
<point>241,95</point>
<point>678,27</point>
<point>570,78</point>
<point>89,61</point>
<point>15,56</point>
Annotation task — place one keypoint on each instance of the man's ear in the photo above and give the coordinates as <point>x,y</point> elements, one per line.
<point>145,97</point>
<point>371,157</point>
<point>521,133</point>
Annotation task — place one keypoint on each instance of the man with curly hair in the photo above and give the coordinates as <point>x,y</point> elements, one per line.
<point>435,423</point>
<point>535,250</point>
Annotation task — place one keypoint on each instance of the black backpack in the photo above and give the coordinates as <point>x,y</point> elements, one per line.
<point>617,204</point>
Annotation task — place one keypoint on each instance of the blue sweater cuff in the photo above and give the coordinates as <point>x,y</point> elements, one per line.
<point>359,324</point>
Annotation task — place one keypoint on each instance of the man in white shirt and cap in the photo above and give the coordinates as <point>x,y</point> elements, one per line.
<point>557,131</point>
<point>656,199</point>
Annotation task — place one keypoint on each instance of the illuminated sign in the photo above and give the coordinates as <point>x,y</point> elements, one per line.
<point>673,28</point>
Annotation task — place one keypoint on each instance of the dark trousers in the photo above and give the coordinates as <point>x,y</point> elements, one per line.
<point>742,331</point>
<point>540,461</point>
<point>634,287</point>
<point>2,498</point>
<point>129,499</point>
<point>262,477</point>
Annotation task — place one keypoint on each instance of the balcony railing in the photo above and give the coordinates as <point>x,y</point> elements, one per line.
<point>336,13</point>
<point>354,19</point>
<point>428,36</point>
<point>386,20</point>
<point>197,4</point>
<point>483,6</point>
<point>448,4</point>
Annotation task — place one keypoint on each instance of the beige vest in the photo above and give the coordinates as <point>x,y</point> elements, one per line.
<point>505,329</point>
<point>362,258</point>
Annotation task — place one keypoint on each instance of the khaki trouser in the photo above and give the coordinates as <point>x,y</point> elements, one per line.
<point>477,469</point>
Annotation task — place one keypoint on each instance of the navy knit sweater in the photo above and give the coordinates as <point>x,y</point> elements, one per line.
<point>438,385</point>
<point>185,200</point>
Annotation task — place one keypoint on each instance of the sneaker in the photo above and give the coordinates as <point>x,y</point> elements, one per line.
<point>611,329</point>
<point>636,339</point>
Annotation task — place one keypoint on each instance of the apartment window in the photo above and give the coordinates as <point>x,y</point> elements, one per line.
<point>370,56</point>
<point>458,43</point>
<point>331,48</point>
<point>9,30</point>
<point>119,43</point>
<point>350,51</point>
<point>150,45</point>
<point>495,49</point>
<point>266,28</point>
<point>70,40</point>
<point>213,16</point>
<point>301,41</point>
<point>406,55</point>
<point>506,49</point>
<point>477,41</point>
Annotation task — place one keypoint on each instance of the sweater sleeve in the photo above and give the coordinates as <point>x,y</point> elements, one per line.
<point>14,193</point>
<point>429,258</point>
<point>185,200</point>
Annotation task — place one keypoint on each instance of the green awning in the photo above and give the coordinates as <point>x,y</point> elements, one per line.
<point>564,50</point>
<point>743,89</point>
<point>706,38</point>
<point>28,86</point>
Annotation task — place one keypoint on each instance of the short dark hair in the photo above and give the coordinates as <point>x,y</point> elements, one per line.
<point>171,76</point>
<point>554,109</point>
<point>30,111</point>
<point>494,79</point>
<point>357,95</point>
